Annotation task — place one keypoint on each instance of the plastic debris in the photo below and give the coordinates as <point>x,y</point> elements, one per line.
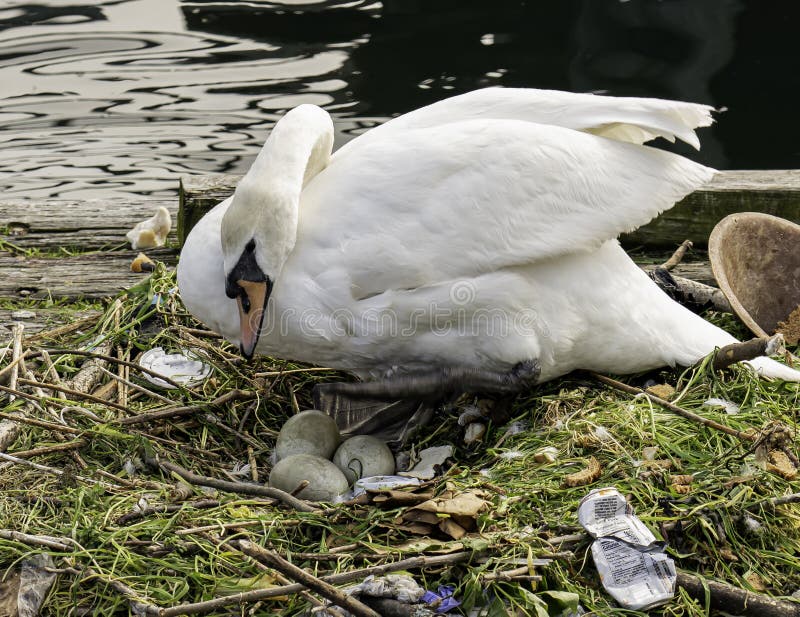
<point>35,581</point>
<point>442,599</point>
<point>730,407</point>
<point>378,483</point>
<point>632,565</point>
<point>184,368</point>
<point>430,462</point>
<point>400,587</point>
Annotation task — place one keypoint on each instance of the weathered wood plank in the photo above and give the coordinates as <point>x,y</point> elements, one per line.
<point>92,275</point>
<point>82,225</point>
<point>37,319</point>
<point>772,191</point>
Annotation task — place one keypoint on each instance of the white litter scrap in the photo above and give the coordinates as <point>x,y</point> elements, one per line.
<point>430,462</point>
<point>400,587</point>
<point>184,368</point>
<point>633,567</point>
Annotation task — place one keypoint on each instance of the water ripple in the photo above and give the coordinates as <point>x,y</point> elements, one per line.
<point>126,110</point>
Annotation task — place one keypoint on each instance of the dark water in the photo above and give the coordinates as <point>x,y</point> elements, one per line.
<point>116,98</point>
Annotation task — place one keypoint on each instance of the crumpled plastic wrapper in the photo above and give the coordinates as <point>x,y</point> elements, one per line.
<point>632,565</point>
<point>400,587</point>
<point>34,584</point>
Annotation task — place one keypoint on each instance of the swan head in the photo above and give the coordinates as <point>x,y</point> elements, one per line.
<point>259,229</point>
<point>256,242</point>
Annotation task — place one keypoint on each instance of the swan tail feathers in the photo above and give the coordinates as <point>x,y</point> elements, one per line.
<point>767,367</point>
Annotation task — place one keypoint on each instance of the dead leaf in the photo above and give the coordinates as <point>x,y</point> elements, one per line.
<point>584,476</point>
<point>469,503</point>
<point>452,529</point>
<point>663,390</point>
<point>781,464</point>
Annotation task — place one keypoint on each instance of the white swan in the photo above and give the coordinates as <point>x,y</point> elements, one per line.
<point>479,232</point>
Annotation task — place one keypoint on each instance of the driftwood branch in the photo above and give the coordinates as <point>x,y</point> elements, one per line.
<point>177,412</point>
<point>51,542</point>
<point>695,296</point>
<point>678,255</point>
<point>9,430</point>
<point>166,509</point>
<point>747,350</point>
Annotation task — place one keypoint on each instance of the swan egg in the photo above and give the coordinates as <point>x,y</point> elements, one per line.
<point>325,481</point>
<point>363,456</point>
<point>308,432</point>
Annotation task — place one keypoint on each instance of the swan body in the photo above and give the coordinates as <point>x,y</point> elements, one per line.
<point>477,232</point>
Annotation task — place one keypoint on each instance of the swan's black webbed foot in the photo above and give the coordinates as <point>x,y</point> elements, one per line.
<point>395,407</point>
<point>439,383</point>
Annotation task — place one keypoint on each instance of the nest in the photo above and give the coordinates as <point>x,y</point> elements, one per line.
<point>153,501</point>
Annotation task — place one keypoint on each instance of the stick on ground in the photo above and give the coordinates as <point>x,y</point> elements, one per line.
<point>623,387</point>
<point>242,488</point>
<point>326,590</point>
<point>734,600</point>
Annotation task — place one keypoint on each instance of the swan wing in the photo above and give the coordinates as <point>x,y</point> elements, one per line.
<point>630,119</point>
<point>465,198</point>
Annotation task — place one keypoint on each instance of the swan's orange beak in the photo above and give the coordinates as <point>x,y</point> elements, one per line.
<point>251,320</point>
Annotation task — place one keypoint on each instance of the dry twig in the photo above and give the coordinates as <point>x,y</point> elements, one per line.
<point>241,488</point>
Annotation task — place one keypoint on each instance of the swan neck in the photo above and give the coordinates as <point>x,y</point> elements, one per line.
<point>266,202</point>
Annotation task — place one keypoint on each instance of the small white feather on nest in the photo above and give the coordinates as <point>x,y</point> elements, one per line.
<point>151,233</point>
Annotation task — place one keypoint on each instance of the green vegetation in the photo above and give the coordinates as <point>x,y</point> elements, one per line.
<point>130,523</point>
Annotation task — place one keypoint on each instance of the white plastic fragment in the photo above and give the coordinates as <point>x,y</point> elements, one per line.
<point>184,368</point>
<point>377,483</point>
<point>730,407</point>
<point>633,567</point>
<point>430,459</point>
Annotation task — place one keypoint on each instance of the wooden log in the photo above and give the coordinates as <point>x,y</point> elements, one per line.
<point>80,225</point>
<point>772,191</point>
<point>197,195</point>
